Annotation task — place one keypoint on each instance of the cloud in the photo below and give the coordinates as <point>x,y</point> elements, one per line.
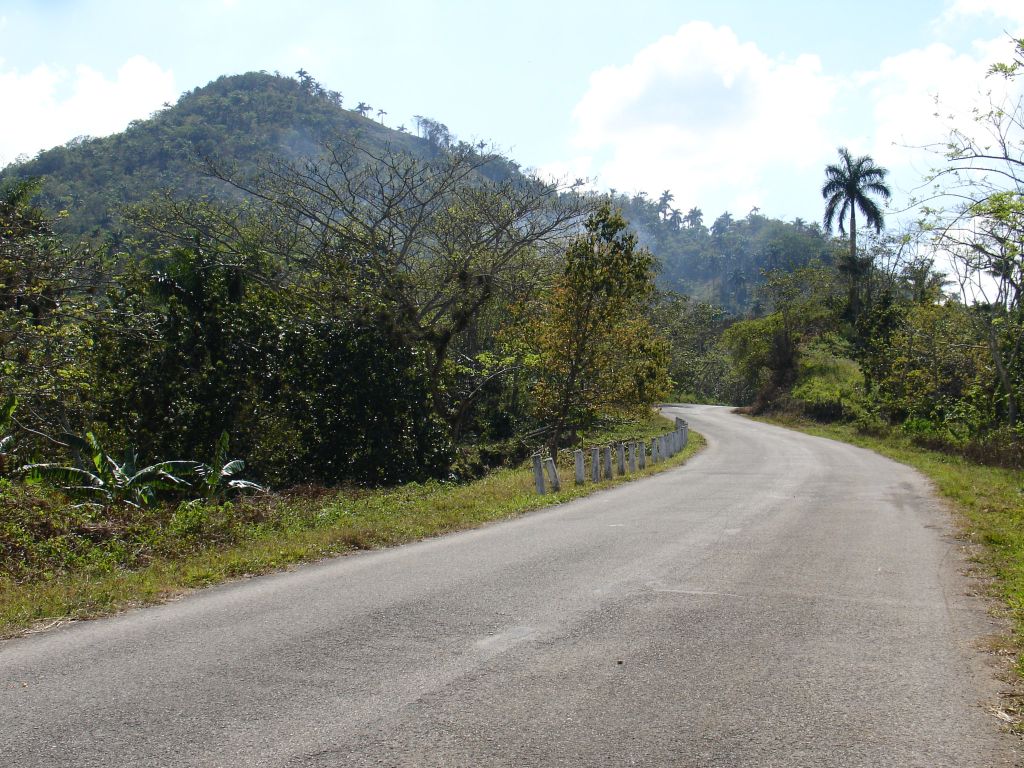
<point>705,115</point>
<point>918,97</point>
<point>910,92</point>
<point>726,126</point>
<point>48,106</point>
<point>1009,10</point>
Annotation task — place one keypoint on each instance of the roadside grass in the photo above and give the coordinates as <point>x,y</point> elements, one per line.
<point>989,502</point>
<point>70,567</point>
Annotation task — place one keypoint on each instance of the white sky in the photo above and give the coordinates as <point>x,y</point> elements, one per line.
<point>730,105</point>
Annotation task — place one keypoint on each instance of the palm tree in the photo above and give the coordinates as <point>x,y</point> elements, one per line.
<point>849,186</point>
<point>664,204</point>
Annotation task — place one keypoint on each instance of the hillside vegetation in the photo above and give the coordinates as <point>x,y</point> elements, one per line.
<point>239,119</point>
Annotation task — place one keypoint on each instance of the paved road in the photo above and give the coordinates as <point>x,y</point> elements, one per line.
<point>780,601</point>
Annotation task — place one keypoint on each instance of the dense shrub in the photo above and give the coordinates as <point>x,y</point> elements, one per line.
<point>306,396</point>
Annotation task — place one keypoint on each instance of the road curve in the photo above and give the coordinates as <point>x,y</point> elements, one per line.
<point>781,600</point>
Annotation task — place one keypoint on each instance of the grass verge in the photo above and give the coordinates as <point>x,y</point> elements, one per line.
<point>989,502</point>
<point>195,546</point>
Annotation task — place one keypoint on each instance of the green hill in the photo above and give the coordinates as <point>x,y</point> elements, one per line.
<point>240,119</point>
<point>723,263</point>
<point>237,119</point>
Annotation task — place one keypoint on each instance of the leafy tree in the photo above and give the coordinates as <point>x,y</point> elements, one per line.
<point>206,346</point>
<point>983,229</point>
<point>45,304</point>
<point>665,204</point>
<point>767,350</point>
<point>595,348</point>
<point>420,247</point>
<point>849,187</point>
<point>699,366</point>
<point>934,370</point>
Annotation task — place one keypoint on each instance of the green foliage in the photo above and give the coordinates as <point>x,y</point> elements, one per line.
<point>44,305</point>
<point>933,368</point>
<point>767,351</point>
<point>829,387</point>
<point>758,349</point>
<point>594,346</point>
<point>241,118</point>
<point>699,365</point>
<point>308,397</point>
<point>101,481</point>
<point>218,478</point>
<point>6,440</point>
<point>724,264</point>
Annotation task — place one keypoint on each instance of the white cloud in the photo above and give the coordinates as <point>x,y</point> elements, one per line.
<point>1009,10</point>
<point>705,115</point>
<point>911,91</point>
<point>726,126</point>
<point>918,97</point>
<point>48,106</point>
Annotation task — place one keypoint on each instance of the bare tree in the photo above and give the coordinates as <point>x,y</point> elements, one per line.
<point>982,229</point>
<point>423,245</point>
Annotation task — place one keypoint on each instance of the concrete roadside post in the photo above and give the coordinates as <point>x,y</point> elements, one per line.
<point>620,455</point>
<point>654,450</point>
<point>579,467</point>
<point>552,469</point>
<point>607,462</point>
<point>641,449</point>
<point>595,464</point>
<point>632,457</point>
<point>538,473</point>
<point>684,431</point>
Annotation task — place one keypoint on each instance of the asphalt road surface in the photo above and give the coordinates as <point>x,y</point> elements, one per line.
<point>781,600</point>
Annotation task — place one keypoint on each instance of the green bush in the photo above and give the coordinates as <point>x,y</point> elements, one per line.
<point>829,387</point>
<point>306,396</point>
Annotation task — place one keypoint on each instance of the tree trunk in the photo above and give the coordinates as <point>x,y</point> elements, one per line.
<point>854,268</point>
<point>1005,380</point>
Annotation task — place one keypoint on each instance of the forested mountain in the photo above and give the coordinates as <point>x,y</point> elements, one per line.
<point>236,119</point>
<point>242,119</point>
<point>725,263</point>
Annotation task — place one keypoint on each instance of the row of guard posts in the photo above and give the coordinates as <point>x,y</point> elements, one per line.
<point>609,461</point>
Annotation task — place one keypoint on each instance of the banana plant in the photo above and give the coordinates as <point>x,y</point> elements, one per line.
<point>101,481</point>
<point>217,478</point>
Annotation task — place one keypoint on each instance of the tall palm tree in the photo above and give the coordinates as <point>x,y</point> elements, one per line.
<point>849,186</point>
